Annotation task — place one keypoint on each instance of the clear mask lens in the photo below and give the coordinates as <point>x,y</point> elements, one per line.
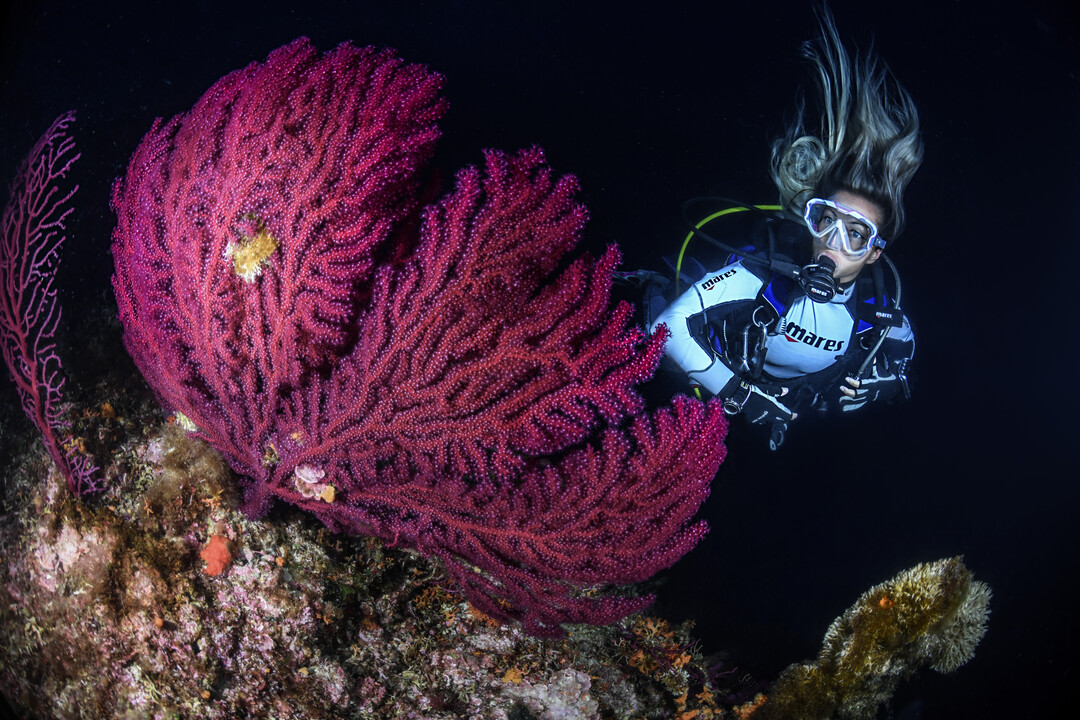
<point>842,228</point>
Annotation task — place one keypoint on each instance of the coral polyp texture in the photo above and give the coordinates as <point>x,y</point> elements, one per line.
<point>431,377</point>
<point>932,615</point>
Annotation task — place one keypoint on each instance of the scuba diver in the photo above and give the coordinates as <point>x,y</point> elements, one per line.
<point>799,314</point>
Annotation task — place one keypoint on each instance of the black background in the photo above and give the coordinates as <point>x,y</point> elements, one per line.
<point>652,106</point>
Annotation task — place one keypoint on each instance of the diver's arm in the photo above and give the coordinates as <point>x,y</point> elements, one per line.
<point>898,350</point>
<point>714,295</point>
<point>888,378</point>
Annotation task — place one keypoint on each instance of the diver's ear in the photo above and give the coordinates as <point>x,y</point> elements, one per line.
<point>875,253</point>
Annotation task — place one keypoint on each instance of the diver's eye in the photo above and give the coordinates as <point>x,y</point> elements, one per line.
<point>857,237</point>
<point>827,220</point>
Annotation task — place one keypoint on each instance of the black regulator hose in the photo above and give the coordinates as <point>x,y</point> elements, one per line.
<point>815,278</point>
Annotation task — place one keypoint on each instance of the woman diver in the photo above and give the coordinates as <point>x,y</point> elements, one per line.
<point>802,318</point>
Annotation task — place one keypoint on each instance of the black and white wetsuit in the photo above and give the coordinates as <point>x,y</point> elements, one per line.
<point>810,346</point>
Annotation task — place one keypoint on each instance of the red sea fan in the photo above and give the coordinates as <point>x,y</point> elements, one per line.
<point>449,400</point>
<point>305,163</point>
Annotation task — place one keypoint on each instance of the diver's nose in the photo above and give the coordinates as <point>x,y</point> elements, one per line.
<point>832,240</point>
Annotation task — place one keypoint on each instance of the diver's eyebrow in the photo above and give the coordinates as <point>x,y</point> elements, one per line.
<point>852,220</point>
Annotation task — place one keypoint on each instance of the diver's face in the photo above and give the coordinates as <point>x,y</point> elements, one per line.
<point>847,267</point>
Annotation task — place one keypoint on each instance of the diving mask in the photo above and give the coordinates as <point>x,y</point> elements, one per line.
<point>844,229</point>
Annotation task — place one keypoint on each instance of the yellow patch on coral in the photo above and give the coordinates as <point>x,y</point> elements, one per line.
<point>252,254</point>
<point>183,422</point>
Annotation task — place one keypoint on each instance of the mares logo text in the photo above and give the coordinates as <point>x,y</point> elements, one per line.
<point>716,279</point>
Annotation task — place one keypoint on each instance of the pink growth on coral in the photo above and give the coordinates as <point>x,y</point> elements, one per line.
<point>216,555</point>
<point>444,392</point>
<point>31,235</point>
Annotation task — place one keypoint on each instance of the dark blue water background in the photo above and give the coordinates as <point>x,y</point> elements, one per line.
<point>649,107</point>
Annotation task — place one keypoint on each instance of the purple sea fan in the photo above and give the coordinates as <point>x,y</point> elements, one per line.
<point>448,399</point>
<point>31,235</point>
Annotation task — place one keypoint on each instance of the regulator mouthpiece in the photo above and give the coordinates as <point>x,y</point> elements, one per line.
<point>816,280</point>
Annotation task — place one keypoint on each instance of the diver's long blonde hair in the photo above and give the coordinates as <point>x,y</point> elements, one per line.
<point>868,141</point>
